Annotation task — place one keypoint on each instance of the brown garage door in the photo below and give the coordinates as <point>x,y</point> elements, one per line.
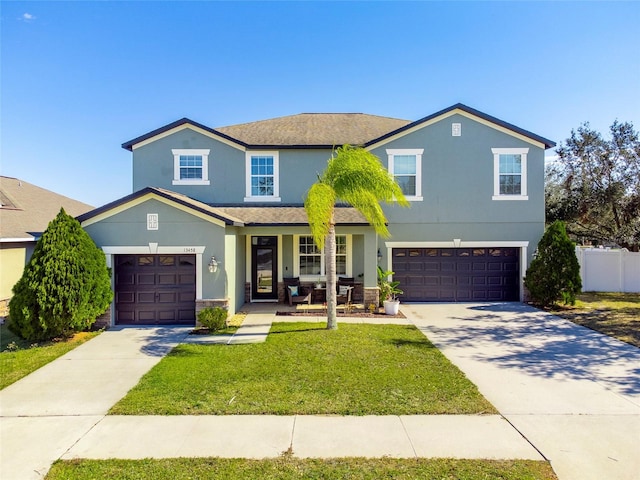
<point>457,274</point>
<point>155,289</point>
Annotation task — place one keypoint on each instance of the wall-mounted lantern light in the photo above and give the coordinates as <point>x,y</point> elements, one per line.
<point>379,255</point>
<point>213,265</point>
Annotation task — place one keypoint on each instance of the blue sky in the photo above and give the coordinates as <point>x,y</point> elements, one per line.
<point>80,78</point>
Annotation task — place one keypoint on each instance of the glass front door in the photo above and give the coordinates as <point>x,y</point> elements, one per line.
<point>264,268</point>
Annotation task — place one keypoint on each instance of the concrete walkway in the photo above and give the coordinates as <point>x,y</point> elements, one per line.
<point>47,412</point>
<point>574,395</point>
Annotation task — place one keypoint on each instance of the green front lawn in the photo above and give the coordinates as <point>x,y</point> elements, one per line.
<point>18,357</point>
<point>303,368</point>
<point>286,468</point>
<point>614,314</point>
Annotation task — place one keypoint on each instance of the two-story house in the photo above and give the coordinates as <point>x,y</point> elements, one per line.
<point>216,216</point>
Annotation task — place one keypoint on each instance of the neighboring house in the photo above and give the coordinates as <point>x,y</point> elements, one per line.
<point>217,215</point>
<point>25,212</point>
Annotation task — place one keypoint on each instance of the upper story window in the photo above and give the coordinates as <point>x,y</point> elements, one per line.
<point>190,166</point>
<point>263,182</point>
<point>510,173</point>
<point>310,261</point>
<point>406,167</point>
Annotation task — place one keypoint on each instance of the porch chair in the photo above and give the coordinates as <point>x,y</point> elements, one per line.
<point>345,287</point>
<point>295,292</point>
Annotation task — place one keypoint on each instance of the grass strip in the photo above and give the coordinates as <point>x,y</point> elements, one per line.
<point>305,369</point>
<point>286,468</point>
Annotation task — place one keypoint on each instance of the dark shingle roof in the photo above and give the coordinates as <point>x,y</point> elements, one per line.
<point>314,129</point>
<point>290,215</point>
<point>27,209</point>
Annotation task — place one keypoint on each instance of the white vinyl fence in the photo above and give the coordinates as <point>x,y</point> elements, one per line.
<point>606,270</point>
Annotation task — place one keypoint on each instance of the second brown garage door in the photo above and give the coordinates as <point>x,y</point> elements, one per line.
<point>155,289</point>
<point>457,274</point>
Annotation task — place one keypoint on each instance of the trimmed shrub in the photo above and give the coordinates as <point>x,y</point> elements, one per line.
<point>554,273</point>
<point>65,285</point>
<point>213,318</point>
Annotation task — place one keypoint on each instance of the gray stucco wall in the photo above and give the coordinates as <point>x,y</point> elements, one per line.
<point>176,229</point>
<point>153,166</point>
<point>457,188</point>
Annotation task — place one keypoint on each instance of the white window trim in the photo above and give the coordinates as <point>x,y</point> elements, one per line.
<point>276,177</point>
<point>391,152</point>
<point>496,173</point>
<point>204,152</point>
<point>322,277</point>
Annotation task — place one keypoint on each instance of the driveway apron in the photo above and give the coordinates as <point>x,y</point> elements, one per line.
<point>572,392</point>
<point>46,412</point>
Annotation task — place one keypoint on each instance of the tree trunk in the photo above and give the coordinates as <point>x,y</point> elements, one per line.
<point>330,268</point>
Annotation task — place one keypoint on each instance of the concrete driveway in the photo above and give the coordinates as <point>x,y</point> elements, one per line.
<point>571,392</point>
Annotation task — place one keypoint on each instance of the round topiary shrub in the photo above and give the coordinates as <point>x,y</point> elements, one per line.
<point>213,318</point>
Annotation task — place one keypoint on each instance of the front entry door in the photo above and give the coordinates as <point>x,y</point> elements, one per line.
<point>264,268</point>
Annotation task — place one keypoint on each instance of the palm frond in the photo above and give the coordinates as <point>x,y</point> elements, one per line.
<point>319,205</point>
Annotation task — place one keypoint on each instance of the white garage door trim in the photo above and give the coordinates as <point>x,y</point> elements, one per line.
<point>153,249</point>
<point>458,243</point>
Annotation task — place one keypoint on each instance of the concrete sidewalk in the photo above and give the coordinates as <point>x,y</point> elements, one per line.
<point>572,392</point>
<point>260,436</point>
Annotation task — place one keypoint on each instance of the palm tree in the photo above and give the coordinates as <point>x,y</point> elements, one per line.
<point>357,177</point>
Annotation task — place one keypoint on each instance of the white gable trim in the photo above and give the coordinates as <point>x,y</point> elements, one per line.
<point>144,198</point>
<point>456,111</point>
<point>191,127</point>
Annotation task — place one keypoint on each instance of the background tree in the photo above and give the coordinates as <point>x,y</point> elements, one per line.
<point>595,186</point>
<point>554,273</point>
<point>358,178</point>
<point>65,285</point>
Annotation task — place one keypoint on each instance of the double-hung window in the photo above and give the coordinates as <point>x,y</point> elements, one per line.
<point>190,166</point>
<point>510,173</point>
<point>263,183</point>
<point>309,256</point>
<point>310,261</point>
<point>406,167</point>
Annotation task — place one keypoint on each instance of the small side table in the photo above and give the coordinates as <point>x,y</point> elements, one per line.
<point>319,295</point>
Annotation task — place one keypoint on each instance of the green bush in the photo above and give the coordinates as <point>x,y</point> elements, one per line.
<point>554,273</point>
<point>65,285</point>
<point>213,318</point>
